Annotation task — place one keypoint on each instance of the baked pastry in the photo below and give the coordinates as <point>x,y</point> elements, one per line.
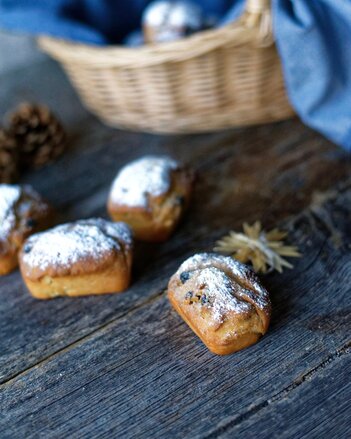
<point>169,20</point>
<point>151,194</point>
<point>91,256</point>
<point>221,300</point>
<point>22,212</point>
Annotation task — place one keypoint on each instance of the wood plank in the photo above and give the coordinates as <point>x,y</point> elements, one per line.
<point>268,172</point>
<point>147,375</point>
<point>317,406</point>
<point>38,333</point>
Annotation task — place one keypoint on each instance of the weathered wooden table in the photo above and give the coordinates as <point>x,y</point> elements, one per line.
<point>126,365</point>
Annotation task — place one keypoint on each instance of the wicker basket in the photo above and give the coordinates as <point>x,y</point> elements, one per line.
<point>216,79</point>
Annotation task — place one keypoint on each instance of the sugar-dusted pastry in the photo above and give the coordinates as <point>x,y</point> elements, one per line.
<point>221,300</point>
<point>169,20</point>
<point>22,212</point>
<point>151,194</point>
<point>86,257</point>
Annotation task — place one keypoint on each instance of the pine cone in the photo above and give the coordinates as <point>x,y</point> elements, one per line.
<point>8,158</point>
<point>39,135</point>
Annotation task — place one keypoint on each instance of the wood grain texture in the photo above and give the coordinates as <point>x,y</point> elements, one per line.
<point>314,406</point>
<point>146,375</point>
<point>125,365</point>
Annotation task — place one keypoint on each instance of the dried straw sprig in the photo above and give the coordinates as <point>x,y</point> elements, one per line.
<point>265,250</point>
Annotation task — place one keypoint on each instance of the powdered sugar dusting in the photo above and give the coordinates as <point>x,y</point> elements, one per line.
<point>69,243</point>
<point>149,175</point>
<point>239,271</point>
<point>219,292</point>
<point>120,231</point>
<point>9,195</point>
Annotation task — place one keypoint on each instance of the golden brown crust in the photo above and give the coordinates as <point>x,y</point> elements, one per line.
<point>221,300</point>
<point>112,279</point>
<point>159,216</point>
<point>26,213</point>
<point>215,342</point>
<point>86,257</point>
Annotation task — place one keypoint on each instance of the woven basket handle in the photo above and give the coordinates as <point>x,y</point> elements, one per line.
<point>257,6</point>
<point>258,15</point>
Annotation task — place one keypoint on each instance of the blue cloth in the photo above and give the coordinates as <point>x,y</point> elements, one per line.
<point>313,39</point>
<point>88,21</point>
<point>314,42</point>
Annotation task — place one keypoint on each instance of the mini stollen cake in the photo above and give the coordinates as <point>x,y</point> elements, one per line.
<point>151,194</point>
<point>22,212</point>
<point>221,300</point>
<point>165,20</point>
<point>85,257</point>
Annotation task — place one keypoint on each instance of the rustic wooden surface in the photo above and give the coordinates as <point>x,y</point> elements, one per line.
<point>126,365</point>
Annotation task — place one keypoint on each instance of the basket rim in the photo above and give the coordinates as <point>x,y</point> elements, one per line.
<point>236,34</point>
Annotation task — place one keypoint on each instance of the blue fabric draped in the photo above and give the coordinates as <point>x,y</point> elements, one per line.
<point>314,42</point>
<point>313,39</point>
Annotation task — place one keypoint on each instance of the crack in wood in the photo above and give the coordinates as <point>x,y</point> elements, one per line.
<point>267,173</point>
<point>253,410</point>
<point>85,337</point>
<point>81,340</point>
